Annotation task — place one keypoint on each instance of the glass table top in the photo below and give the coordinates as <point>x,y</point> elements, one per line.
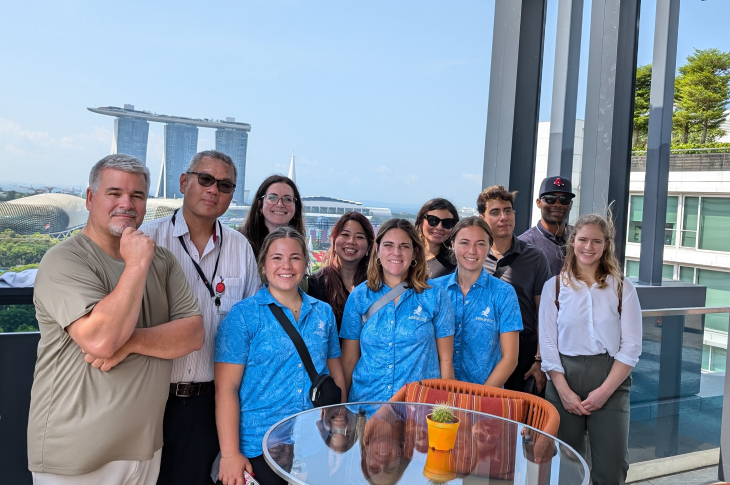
<point>387,443</point>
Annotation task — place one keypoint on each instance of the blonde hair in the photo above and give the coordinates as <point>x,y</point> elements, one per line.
<point>608,264</point>
<point>417,275</point>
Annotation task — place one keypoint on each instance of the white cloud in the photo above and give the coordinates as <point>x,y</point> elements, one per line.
<point>471,177</point>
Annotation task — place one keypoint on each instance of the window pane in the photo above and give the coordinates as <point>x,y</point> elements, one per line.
<point>637,211</point>
<point>671,223</point>
<point>689,221</point>
<point>715,224</point>
<point>705,357</point>
<point>668,271</point>
<point>632,269</point>
<point>719,357</point>
<point>686,274</point>
<point>718,294</point>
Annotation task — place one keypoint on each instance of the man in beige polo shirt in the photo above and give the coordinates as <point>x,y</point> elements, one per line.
<point>113,310</point>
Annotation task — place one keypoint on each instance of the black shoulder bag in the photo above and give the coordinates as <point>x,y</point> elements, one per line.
<point>324,390</point>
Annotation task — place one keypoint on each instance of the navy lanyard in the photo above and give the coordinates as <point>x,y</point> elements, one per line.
<point>197,267</point>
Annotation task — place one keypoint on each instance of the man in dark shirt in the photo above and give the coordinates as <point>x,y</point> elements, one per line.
<point>552,230</point>
<point>523,266</point>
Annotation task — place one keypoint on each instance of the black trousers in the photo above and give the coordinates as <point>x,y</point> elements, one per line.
<point>263,473</point>
<point>190,440</point>
<point>525,359</point>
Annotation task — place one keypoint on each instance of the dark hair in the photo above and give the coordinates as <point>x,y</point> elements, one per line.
<point>255,228</point>
<point>492,193</point>
<point>285,232</point>
<point>433,205</point>
<point>417,275</point>
<point>331,269</point>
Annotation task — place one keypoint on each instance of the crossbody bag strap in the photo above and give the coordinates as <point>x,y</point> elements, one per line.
<point>394,293</point>
<point>296,340</point>
<point>557,291</point>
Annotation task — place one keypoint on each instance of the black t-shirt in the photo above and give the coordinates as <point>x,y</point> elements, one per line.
<point>527,274</point>
<point>316,290</point>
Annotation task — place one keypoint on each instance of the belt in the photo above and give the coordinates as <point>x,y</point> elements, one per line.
<point>190,389</point>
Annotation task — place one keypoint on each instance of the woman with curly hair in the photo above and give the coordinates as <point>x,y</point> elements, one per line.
<point>590,338</point>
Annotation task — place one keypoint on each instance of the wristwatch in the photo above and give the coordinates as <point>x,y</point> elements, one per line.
<point>538,358</point>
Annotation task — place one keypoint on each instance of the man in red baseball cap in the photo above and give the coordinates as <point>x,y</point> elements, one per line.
<point>550,234</point>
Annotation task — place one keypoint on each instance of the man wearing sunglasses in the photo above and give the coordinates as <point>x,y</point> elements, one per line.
<point>220,267</point>
<point>551,232</point>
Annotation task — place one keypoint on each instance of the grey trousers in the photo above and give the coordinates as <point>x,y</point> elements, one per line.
<point>607,428</point>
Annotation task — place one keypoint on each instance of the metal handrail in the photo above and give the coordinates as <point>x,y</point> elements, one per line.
<point>665,312</point>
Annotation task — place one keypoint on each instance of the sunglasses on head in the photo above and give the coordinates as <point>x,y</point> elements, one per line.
<point>448,223</point>
<point>551,199</point>
<point>206,180</point>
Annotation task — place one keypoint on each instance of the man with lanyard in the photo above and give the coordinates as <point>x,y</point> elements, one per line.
<point>523,266</point>
<point>551,232</point>
<point>221,268</point>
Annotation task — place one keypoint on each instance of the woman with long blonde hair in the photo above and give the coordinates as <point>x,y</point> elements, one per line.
<point>590,339</point>
<point>409,336</point>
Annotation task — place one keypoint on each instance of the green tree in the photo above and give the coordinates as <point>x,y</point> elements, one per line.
<point>16,250</point>
<point>641,105</point>
<point>701,95</point>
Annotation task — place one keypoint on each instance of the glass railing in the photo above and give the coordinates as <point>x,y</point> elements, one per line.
<point>676,405</point>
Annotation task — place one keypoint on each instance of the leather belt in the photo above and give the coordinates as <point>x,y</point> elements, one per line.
<point>190,389</point>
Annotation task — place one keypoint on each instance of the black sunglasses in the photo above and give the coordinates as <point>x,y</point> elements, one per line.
<point>551,199</point>
<point>206,180</point>
<point>448,223</point>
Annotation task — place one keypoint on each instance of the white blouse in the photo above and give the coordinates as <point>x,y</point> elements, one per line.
<point>588,323</point>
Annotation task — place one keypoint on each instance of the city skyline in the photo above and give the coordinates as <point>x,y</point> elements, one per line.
<point>381,100</point>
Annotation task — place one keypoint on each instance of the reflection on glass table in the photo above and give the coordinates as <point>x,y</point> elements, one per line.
<point>387,443</point>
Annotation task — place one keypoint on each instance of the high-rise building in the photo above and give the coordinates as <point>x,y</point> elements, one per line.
<point>234,143</point>
<point>181,143</point>
<point>130,136</point>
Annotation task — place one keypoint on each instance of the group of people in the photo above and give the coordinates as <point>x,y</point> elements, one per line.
<point>167,332</point>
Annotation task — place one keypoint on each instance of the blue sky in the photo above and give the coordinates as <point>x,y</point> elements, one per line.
<point>385,101</point>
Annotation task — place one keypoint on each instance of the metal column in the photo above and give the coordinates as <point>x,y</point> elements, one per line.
<point>565,88</point>
<point>514,101</point>
<point>659,142</point>
<point>609,111</point>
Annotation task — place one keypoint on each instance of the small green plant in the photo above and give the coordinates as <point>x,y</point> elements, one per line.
<point>442,413</point>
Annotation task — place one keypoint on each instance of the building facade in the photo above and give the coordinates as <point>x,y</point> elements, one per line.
<point>130,137</point>
<point>234,143</point>
<point>181,143</point>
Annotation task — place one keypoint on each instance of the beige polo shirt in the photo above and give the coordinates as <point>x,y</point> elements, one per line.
<point>82,418</point>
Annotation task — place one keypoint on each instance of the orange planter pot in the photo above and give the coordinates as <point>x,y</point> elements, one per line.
<point>439,466</point>
<point>442,436</point>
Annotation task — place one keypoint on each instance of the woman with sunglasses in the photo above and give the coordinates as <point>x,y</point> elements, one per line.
<point>486,311</point>
<point>276,204</point>
<point>409,338</point>
<point>434,224</point>
<point>346,263</point>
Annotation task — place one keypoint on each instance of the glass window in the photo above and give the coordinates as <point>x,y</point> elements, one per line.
<point>671,227</point>
<point>718,294</point>
<point>715,224</point>
<point>632,269</point>
<point>636,214</point>
<point>719,356</point>
<point>686,274</point>
<point>668,271</point>
<point>689,221</point>
<point>705,357</point>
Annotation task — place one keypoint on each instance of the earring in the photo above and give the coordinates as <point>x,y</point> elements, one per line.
<point>413,263</point>
<point>377,261</point>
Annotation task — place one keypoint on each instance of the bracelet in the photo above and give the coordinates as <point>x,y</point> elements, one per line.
<point>538,358</point>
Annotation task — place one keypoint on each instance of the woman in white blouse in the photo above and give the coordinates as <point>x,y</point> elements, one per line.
<point>590,339</point>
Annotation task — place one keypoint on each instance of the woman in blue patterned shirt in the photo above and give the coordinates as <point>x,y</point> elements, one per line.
<point>410,338</point>
<point>486,310</point>
<point>259,376</point>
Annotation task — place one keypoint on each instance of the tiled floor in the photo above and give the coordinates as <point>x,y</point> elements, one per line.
<point>702,476</point>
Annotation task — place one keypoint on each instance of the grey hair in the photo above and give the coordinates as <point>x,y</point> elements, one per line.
<point>215,154</point>
<point>118,161</point>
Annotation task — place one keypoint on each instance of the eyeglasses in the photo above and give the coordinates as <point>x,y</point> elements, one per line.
<point>272,199</point>
<point>206,180</point>
<point>507,211</point>
<point>551,199</point>
<point>447,223</point>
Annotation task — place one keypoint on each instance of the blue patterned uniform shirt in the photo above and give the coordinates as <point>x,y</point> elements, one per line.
<point>489,309</point>
<point>275,383</point>
<point>398,343</point>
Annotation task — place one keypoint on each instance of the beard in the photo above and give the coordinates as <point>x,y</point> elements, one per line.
<point>116,228</point>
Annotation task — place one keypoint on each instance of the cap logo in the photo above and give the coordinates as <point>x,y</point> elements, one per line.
<point>558,182</point>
